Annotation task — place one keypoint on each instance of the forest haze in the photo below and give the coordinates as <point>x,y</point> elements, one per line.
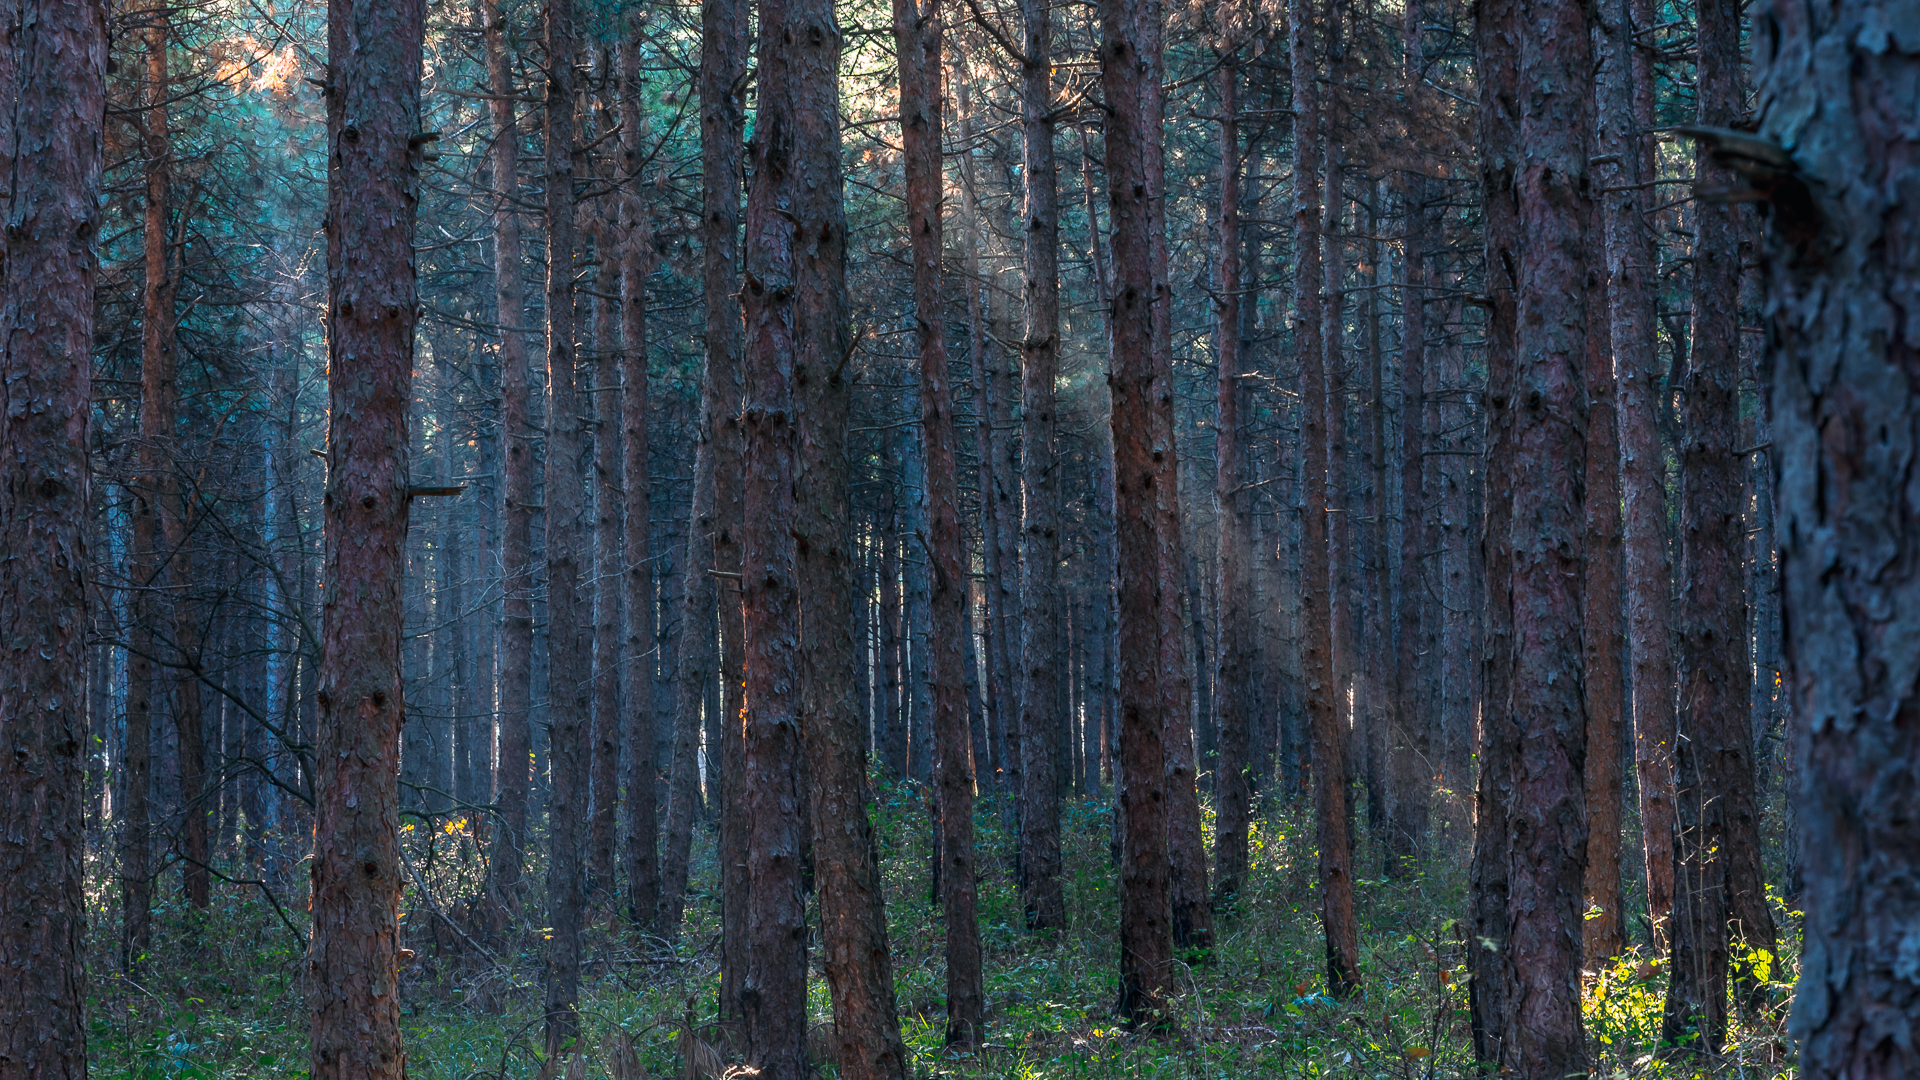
<point>982,538</point>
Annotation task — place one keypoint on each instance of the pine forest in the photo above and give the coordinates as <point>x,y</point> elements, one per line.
<point>894,539</point>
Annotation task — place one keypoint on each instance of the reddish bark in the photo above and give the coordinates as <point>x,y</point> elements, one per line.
<point>1718,836</point>
<point>155,496</point>
<point>50,146</point>
<point>1129,61</point>
<point>1329,770</point>
<point>918,33</point>
<point>794,313</point>
<point>1547,828</point>
<point>1624,111</point>
<point>1040,654</point>
<point>1835,86</point>
<point>568,607</point>
<point>853,923</point>
<point>506,881</point>
<point>373,114</point>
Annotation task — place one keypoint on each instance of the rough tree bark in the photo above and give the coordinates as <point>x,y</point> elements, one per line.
<point>50,146</point>
<point>1329,770</point>
<point>918,35</point>
<point>1129,46</point>
<point>787,301</point>
<point>373,118</point>
<point>853,924</point>
<point>505,865</point>
<point>1836,84</point>
<point>1039,745</point>
<point>1546,847</point>
<point>568,609</point>
<point>1713,788</point>
<point>713,543</point>
<point>1630,272</point>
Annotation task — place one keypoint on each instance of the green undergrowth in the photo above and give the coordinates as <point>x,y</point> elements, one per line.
<point>222,994</point>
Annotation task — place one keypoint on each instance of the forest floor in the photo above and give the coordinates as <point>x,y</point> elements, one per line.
<point>222,998</point>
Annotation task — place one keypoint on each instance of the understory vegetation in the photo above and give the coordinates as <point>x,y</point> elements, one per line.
<point>224,997</point>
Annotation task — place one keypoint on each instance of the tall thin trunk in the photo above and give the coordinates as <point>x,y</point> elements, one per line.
<point>1040,654</point>
<point>1329,758</point>
<point>641,818</point>
<point>568,607</point>
<point>1409,729</point>
<point>1605,935</point>
<point>506,881</point>
<point>1844,263</point>
<point>155,496</point>
<point>1186,846</point>
<point>853,924</point>
<point>891,724</point>
<point>1383,722</point>
<point>609,542</point>
<point>1648,578</point>
<point>1129,61</point>
<point>50,146</point>
<point>1491,991</point>
<point>998,695</point>
<point>1547,836</point>
<point>1238,634</point>
<point>918,34</point>
<point>713,543</point>
<point>1717,841</point>
<point>373,114</point>
<point>793,312</point>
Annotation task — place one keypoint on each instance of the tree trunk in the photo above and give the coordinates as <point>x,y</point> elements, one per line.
<point>636,671</point>
<point>569,609</point>
<point>853,925</point>
<point>1186,846</point>
<point>506,881</point>
<point>155,496</point>
<point>1630,273</point>
<point>996,622</point>
<point>1237,632</point>
<point>714,522</point>
<point>1410,753</point>
<point>1040,653</point>
<point>1716,851</point>
<point>918,33</point>
<point>794,306</point>
<point>609,543</point>
<point>1129,61</point>
<point>1548,828</point>
<point>373,113</point>
<point>1329,768</point>
<point>1605,934</point>
<point>1843,231</point>
<point>1491,992</point>
<point>51,147</point>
